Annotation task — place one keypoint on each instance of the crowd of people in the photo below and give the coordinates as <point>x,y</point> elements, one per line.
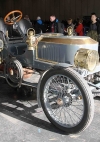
<point>55,26</point>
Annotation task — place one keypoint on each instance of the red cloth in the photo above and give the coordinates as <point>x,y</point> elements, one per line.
<point>52,28</point>
<point>79,30</point>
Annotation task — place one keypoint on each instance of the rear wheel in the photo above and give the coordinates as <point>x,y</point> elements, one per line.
<point>66,100</point>
<point>13,72</point>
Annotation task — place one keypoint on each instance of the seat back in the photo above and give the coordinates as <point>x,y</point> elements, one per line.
<point>24,25</point>
<point>3,31</point>
<point>3,26</point>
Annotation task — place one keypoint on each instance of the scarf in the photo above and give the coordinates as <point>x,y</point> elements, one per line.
<point>39,21</point>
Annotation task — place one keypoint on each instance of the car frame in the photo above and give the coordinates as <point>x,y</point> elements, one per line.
<point>51,62</point>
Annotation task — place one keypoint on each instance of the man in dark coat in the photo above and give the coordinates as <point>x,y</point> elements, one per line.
<point>94,31</point>
<point>55,26</point>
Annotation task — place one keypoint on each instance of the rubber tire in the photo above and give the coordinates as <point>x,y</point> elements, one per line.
<point>87,99</point>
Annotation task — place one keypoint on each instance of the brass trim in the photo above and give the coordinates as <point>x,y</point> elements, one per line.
<point>69,41</point>
<point>52,35</point>
<point>30,29</point>
<point>70,31</point>
<point>48,61</point>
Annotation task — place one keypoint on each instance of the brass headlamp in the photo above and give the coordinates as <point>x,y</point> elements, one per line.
<point>86,58</point>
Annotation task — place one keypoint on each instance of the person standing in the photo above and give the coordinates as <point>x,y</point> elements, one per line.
<point>69,24</point>
<point>39,26</point>
<point>79,28</point>
<point>94,30</point>
<point>27,18</point>
<point>55,26</point>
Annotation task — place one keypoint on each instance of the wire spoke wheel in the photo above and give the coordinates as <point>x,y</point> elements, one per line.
<point>66,100</point>
<point>65,107</point>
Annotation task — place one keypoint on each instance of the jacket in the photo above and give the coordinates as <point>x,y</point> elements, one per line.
<point>79,30</point>
<point>98,27</point>
<point>94,33</point>
<point>58,27</point>
<point>39,28</point>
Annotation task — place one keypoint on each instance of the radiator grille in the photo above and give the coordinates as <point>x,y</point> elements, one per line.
<point>51,53</point>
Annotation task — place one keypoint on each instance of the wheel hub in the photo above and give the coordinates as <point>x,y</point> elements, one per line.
<point>60,101</point>
<point>11,71</point>
<point>67,100</point>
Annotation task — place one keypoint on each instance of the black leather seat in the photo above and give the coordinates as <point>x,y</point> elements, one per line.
<point>3,26</point>
<point>24,25</point>
<point>3,30</point>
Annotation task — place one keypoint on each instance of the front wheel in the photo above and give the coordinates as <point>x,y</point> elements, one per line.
<point>66,100</point>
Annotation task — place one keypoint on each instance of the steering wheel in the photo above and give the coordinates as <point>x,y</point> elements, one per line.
<point>13,18</point>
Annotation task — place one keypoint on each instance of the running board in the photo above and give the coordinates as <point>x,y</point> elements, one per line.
<point>31,82</point>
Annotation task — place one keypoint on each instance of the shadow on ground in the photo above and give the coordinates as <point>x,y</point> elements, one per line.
<point>23,108</point>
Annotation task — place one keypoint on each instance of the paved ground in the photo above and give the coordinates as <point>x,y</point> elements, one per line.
<point>22,121</point>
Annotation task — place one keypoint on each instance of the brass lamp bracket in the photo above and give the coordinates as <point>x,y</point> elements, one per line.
<point>31,39</point>
<point>70,31</point>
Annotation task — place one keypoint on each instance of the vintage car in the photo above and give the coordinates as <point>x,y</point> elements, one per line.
<point>64,69</point>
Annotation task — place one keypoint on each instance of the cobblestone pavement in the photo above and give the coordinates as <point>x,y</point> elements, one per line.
<point>22,121</point>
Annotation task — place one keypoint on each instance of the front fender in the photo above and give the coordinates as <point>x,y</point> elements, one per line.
<point>55,67</point>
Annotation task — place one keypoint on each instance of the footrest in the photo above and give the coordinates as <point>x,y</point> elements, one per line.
<point>32,81</point>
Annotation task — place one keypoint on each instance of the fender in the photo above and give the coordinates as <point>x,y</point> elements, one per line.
<point>55,67</point>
